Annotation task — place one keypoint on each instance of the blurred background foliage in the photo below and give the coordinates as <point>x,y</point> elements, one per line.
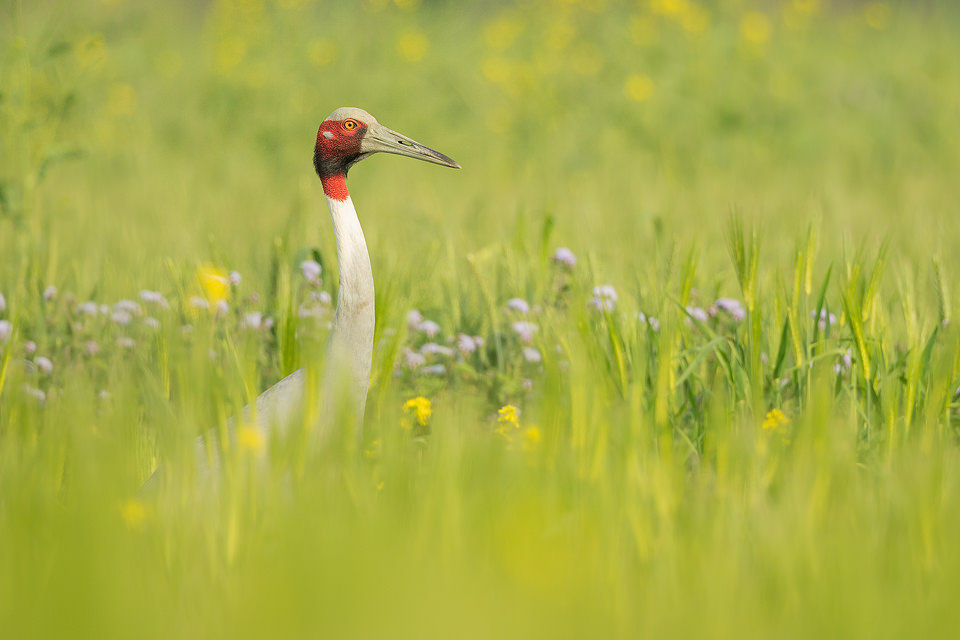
<point>140,141</point>
<point>170,130</point>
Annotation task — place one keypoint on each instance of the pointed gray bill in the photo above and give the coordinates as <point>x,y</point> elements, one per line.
<point>380,139</point>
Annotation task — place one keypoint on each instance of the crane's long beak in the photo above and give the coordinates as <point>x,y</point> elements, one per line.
<point>380,139</point>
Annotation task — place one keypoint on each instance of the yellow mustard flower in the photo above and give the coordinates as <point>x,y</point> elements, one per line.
<point>421,409</point>
<point>638,88</point>
<point>508,421</point>
<point>413,46</point>
<point>251,439</point>
<point>133,512</point>
<point>775,418</point>
<point>755,28</point>
<point>531,438</point>
<point>508,414</point>
<point>215,283</point>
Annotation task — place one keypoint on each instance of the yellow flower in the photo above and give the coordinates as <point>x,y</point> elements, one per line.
<point>421,408</point>
<point>755,28</point>
<point>214,282</point>
<point>531,438</point>
<point>250,439</point>
<point>134,513</point>
<point>668,7</point>
<point>638,88</point>
<point>230,52</point>
<point>508,414</point>
<point>413,46</point>
<point>775,418</point>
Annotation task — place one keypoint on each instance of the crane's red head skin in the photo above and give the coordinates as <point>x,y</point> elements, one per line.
<point>338,147</point>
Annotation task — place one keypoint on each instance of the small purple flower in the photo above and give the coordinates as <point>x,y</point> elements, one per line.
<point>604,298</point>
<point>600,304</point>
<point>235,278</point>
<point>844,364</point>
<point>429,327</point>
<point>414,318</point>
<point>153,323</point>
<point>698,314</point>
<point>605,291</point>
<point>731,306</point>
<point>104,394</point>
<point>519,305</point>
<point>311,270</point>
<point>35,393</point>
<point>434,370</point>
<point>3,303</point>
<point>91,347</point>
<point>126,342</point>
<point>564,256</point>
<point>129,306</point>
<point>531,355</point>
<point>6,330</point>
<point>826,319</point>
<point>525,330</point>
<point>477,340</point>
<point>324,298</point>
<point>198,303</point>
<point>154,297</point>
<point>30,347</point>
<point>50,293</point>
<point>308,312</point>
<point>252,320</point>
<point>432,348</point>
<point>413,359</point>
<point>121,317</point>
<point>527,384</point>
<point>222,307</point>
<point>88,308</point>
<point>466,344</point>
<point>43,364</point>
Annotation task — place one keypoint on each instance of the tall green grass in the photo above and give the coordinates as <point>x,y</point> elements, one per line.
<point>684,472</point>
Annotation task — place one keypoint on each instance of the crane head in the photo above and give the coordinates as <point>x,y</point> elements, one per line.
<point>349,135</point>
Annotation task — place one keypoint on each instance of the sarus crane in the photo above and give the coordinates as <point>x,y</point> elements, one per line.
<point>345,137</point>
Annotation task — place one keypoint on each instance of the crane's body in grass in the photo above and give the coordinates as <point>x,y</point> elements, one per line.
<point>346,137</point>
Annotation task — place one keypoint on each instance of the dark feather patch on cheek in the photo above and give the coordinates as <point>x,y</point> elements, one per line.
<point>337,148</point>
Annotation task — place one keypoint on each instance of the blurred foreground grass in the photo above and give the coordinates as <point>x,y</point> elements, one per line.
<point>769,449</point>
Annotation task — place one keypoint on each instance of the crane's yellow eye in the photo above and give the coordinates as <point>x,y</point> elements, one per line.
<point>349,124</point>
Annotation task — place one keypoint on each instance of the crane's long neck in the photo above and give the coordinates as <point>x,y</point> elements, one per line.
<point>351,339</point>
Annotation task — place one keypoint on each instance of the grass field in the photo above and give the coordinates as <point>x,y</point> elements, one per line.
<point>708,249</point>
